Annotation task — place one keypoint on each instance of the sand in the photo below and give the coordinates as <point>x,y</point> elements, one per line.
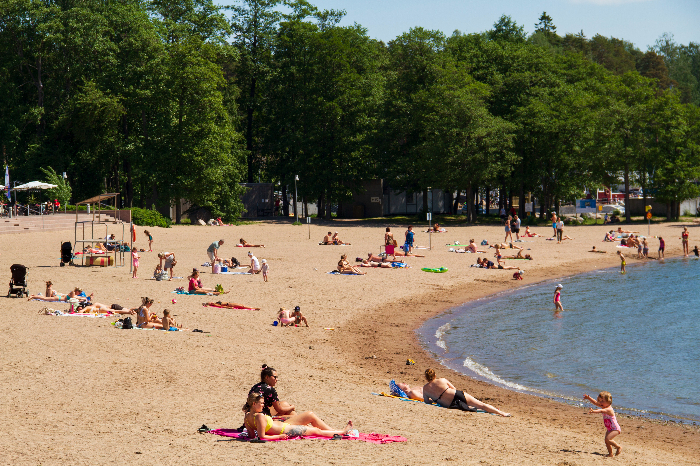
<point>78,391</point>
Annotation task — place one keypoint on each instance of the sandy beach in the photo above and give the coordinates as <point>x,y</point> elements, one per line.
<point>75,390</point>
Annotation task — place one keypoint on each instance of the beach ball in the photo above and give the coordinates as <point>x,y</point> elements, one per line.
<point>174,300</point>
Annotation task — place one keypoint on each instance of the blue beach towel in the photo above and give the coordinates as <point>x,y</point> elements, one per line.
<point>395,390</point>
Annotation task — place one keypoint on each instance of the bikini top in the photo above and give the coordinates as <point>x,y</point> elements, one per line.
<point>268,425</point>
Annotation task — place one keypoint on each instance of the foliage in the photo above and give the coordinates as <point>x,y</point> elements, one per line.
<point>62,191</point>
<point>149,218</point>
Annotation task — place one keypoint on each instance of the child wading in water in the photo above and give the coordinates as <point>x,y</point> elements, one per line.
<point>604,402</point>
<point>622,262</point>
<point>557,298</point>
<point>150,240</point>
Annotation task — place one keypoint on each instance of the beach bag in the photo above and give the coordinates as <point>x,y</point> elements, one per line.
<point>127,324</point>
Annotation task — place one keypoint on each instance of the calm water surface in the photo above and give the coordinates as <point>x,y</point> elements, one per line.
<point>634,335</point>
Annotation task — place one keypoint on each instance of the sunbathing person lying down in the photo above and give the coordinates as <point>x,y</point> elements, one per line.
<point>59,297</point>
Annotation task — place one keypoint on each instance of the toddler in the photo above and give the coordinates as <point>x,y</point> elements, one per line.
<point>604,401</point>
<point>557,298</point>
<point>264,269</point>
<point>168,322</point>
<point>135,262</point>
<point>298,318</point>
<point>622,262</point>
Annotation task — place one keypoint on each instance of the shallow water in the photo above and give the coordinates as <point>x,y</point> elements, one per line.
<point>634,335</point>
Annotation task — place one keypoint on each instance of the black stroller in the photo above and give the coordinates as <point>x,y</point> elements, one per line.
<point>18,282</point>
<point>66,253</point>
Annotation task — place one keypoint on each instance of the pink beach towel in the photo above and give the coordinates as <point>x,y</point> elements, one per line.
<point>372,438</point>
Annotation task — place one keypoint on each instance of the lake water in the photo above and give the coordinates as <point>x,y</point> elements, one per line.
<point>634,335</point>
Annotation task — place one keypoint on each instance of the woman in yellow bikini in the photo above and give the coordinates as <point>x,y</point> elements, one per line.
<point>264,427</point>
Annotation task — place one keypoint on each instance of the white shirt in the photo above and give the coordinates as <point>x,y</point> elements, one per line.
<point>255,265</point>
<point>560,224</point>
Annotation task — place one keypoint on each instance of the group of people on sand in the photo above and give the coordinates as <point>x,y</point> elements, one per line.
<point>333,238</point>
<point>255,266</point>
<point>260,423</point>
<point>294,318</point>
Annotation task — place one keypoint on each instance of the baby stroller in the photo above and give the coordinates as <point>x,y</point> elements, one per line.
<point>66,253</point>
<point>18,282</point>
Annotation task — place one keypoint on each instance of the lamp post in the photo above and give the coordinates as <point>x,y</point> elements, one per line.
<point>296,210</point>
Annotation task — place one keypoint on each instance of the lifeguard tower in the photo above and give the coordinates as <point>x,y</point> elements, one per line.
<point>92,230</point>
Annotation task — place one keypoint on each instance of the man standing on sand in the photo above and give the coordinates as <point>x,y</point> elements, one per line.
<point>515,227</point>
<point>213,253</point>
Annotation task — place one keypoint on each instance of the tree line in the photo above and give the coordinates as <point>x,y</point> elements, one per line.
<point>165,100</point>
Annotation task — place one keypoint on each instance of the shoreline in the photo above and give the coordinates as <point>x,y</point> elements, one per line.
<point>426,335</point>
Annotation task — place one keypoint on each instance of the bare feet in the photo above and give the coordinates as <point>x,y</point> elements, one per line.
<point>348,428</point>
<point>618,450</point>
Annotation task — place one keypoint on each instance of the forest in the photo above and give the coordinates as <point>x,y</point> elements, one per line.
<point>169,100</point>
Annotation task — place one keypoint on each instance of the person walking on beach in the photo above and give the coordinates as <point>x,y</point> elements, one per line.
<point>604,402</point>
<point>684,237</point>
<point>389,243</point>
<point>560,230</point>
<point>557,298</point>
<point>554,224</point>
<point>213,252</point>
<point>508,232</point>
<point>515,227</point>
<point>662,247</point>
<point>408,245</point>
<point>622,262</point>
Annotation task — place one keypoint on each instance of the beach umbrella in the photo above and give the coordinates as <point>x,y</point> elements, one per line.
<point>34,185</point>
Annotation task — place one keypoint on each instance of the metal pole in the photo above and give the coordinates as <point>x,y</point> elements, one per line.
<point>296,209</point>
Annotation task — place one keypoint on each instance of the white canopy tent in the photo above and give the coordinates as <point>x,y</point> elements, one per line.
<point>33,186</point>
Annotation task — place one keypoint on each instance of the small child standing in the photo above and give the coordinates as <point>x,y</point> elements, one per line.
<point>622,262</point>
<point>604,401</point>
<point>645,249</point>
<point>150,240</point>
<point>557,298</point>
<point>135,262</point>
<point>264,269</point>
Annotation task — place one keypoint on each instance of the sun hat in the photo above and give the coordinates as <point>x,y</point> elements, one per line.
<point>559,286</point>
<point>264,261</point>
<point>250,253</point>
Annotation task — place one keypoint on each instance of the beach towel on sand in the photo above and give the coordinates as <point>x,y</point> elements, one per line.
<point>229,306</point>
<point>372,438</point>
<point>335,272</point>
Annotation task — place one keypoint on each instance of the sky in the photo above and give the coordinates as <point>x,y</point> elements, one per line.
<point>641,22</point>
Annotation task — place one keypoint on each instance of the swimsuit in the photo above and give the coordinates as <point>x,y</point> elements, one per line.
<point>610,423</point>
<point>268,424</point>
<point>460,402</point>
<point>556,296</point>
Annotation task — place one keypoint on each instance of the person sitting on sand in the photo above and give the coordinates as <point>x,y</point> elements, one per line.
<point>345,267</point>
<point>328,239</point>
<point>195,285</point>
<point>254,263</point>
<point>168,323</point>
<point>284,318</point>
<point>298,317</point>
<point>530,234</point>
<point>436,229</point>
<point>597,250</point>
<point>442,392</point>
<point>264,427</point>
<point>246,244</point>
<point>472,247</point>
<point>610,237</point>
<point>266,388</point>
<point>145,318</point>
<point>336,239</point>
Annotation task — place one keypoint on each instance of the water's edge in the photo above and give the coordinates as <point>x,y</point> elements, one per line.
<point>428,335</point>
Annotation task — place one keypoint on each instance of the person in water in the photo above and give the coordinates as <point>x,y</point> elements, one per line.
<point>557,298</point>
<point>604,402</point>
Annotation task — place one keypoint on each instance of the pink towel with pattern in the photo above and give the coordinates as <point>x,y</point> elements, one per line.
<point>372,437</point>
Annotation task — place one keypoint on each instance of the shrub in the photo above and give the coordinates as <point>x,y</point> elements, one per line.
<point>149,218</point>
<point>185,221</point>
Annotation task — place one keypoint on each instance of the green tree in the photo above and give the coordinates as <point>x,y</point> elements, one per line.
<point>62,191</point>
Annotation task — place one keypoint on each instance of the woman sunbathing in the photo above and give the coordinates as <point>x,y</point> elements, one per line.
<point>262,426</point>
<point>442,392</point>
<point>145,318</point>
<point>246,244</point>
<point>487,264</point>
<point>97,308</point>
<point>402,253</point>
<point>59,297</point>
<point>345,267</point>
<point>195,285</point>
<point>367,263</point>
<point>472,247</point>
<point>529,234</point>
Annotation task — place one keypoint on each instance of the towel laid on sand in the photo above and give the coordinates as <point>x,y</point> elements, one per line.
<point>372,438</point>
<point>229,306</point>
